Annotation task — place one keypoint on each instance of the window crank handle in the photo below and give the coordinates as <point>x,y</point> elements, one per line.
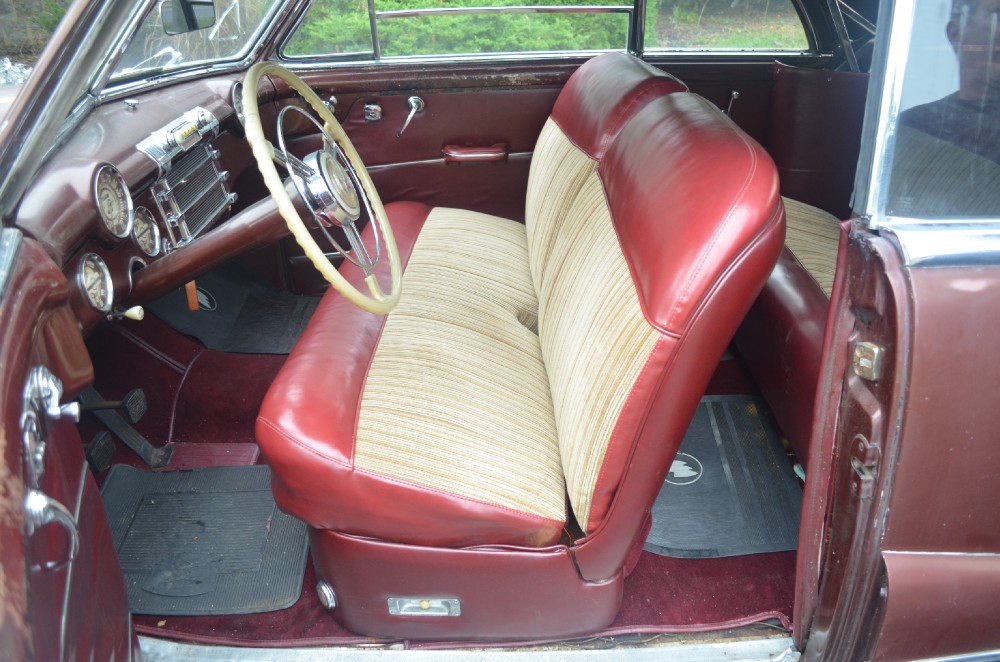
<point>416,105</point>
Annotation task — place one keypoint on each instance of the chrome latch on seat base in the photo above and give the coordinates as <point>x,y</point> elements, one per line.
<point>425,607</point>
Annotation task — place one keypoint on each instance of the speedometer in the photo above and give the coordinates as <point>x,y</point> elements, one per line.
<point>114,202</point>
<point>95,281</point>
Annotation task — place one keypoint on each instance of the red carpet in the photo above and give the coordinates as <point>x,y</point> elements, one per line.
<point>210,398</point>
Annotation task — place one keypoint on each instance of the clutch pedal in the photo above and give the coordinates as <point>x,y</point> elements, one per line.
<point>100,452</point>
<point>119,426</point>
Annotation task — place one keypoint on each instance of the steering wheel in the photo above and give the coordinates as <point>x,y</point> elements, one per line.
<point>328,182</point>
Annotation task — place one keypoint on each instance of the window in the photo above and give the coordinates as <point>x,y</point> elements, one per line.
<point>943,155</point>
<point>408,28</point>
<point>767,25</point>
<point>461,27</point>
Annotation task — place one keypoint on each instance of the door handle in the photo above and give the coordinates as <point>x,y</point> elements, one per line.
<point>41,509</point>
<point>453,154</point>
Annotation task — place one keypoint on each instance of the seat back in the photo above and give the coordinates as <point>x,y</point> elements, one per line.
<point>638,226</point>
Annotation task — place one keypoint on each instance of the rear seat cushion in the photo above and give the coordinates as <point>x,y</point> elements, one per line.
<point>812,235</point>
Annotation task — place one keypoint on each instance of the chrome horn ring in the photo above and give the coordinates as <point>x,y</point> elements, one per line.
<point>331,191</point>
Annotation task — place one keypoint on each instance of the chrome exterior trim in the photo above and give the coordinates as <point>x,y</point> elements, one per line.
<point>945,243</point>
<point>10,244</point>
<point>779,648</point>
<point>878,136</point>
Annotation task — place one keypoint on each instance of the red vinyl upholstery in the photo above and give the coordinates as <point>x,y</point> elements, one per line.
<point>694,225</point>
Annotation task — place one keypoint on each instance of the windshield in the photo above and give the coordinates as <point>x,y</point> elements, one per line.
<point>230,36</point>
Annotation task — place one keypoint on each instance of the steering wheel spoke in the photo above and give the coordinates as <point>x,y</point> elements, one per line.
<point>358,249</point>
<point>335,188</point>
<point>293,163</point>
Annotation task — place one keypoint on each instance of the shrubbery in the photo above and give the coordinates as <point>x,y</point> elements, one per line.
<point>342,26</point>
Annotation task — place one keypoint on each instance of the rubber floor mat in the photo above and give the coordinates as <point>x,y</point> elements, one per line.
<point>238,312</point>
<point>731,490</point>
<point>206,541</point>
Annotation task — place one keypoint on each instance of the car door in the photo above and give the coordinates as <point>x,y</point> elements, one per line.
<point>62,590</point>
<point>900,545</point>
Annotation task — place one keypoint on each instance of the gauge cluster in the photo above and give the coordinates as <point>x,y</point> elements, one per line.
<point>142,199</point>
<point>127,238</point>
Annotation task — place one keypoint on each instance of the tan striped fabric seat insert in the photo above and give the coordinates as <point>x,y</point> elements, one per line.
<point>813,235</point>
<point>457,396</point>
<point>595,338</point>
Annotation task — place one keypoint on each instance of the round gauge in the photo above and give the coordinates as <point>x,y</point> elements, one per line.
<point>114,202</point>
<point>145,232</point>
<point>95,281</point>
<point>238,101</point>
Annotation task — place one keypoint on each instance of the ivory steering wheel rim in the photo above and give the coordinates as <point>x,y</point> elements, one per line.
<point>376,301</point>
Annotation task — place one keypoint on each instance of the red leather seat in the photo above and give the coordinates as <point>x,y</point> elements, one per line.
<point>433,451</point>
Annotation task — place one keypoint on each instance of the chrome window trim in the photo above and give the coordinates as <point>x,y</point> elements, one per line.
<point>511,9</point>
<point>308,63</point>
<point>878,136</point>
<point>945,243</point>
<point>635,39</point>
<point>247,55</point>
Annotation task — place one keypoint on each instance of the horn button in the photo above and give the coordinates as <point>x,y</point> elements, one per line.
<point>331,190</point>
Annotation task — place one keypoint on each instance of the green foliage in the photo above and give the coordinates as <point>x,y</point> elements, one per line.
<point>51,13</point>
<point>342,26</point>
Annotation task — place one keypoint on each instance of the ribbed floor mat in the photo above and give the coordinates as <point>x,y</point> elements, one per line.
<point>731,490</point>
<point>238,312</point>
<point>208,541</point>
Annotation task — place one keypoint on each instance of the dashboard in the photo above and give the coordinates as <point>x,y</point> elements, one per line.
<point>138,201</point>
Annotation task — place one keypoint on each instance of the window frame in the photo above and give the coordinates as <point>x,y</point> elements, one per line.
<point>819,44</point>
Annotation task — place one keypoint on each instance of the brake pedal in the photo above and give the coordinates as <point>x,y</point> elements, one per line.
<point>155,457</point>
<point>135,405</point>
<point>100,452</point>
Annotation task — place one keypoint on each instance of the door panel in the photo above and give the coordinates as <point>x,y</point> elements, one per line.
<point>59,602</point>
<point>475,106</point>
<point>854,434</point>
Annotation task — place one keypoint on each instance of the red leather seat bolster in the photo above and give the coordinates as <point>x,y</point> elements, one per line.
<point>680,227</point>
<point>603,94</point>
<point>708,215</point>
<point>307,424</point>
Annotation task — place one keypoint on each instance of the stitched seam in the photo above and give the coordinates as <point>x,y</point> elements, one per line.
<point>378,340</point>
<point>403,483</point>
<point>305,447</point>
<point>616,438</point>
<point>718,232</point>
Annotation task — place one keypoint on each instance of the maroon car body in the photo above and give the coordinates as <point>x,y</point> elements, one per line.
<point>884,385</point>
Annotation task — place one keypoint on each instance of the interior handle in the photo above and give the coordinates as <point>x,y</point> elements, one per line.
<point>496,153</point>
<point>42,509</point>
<point>416,105</point>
